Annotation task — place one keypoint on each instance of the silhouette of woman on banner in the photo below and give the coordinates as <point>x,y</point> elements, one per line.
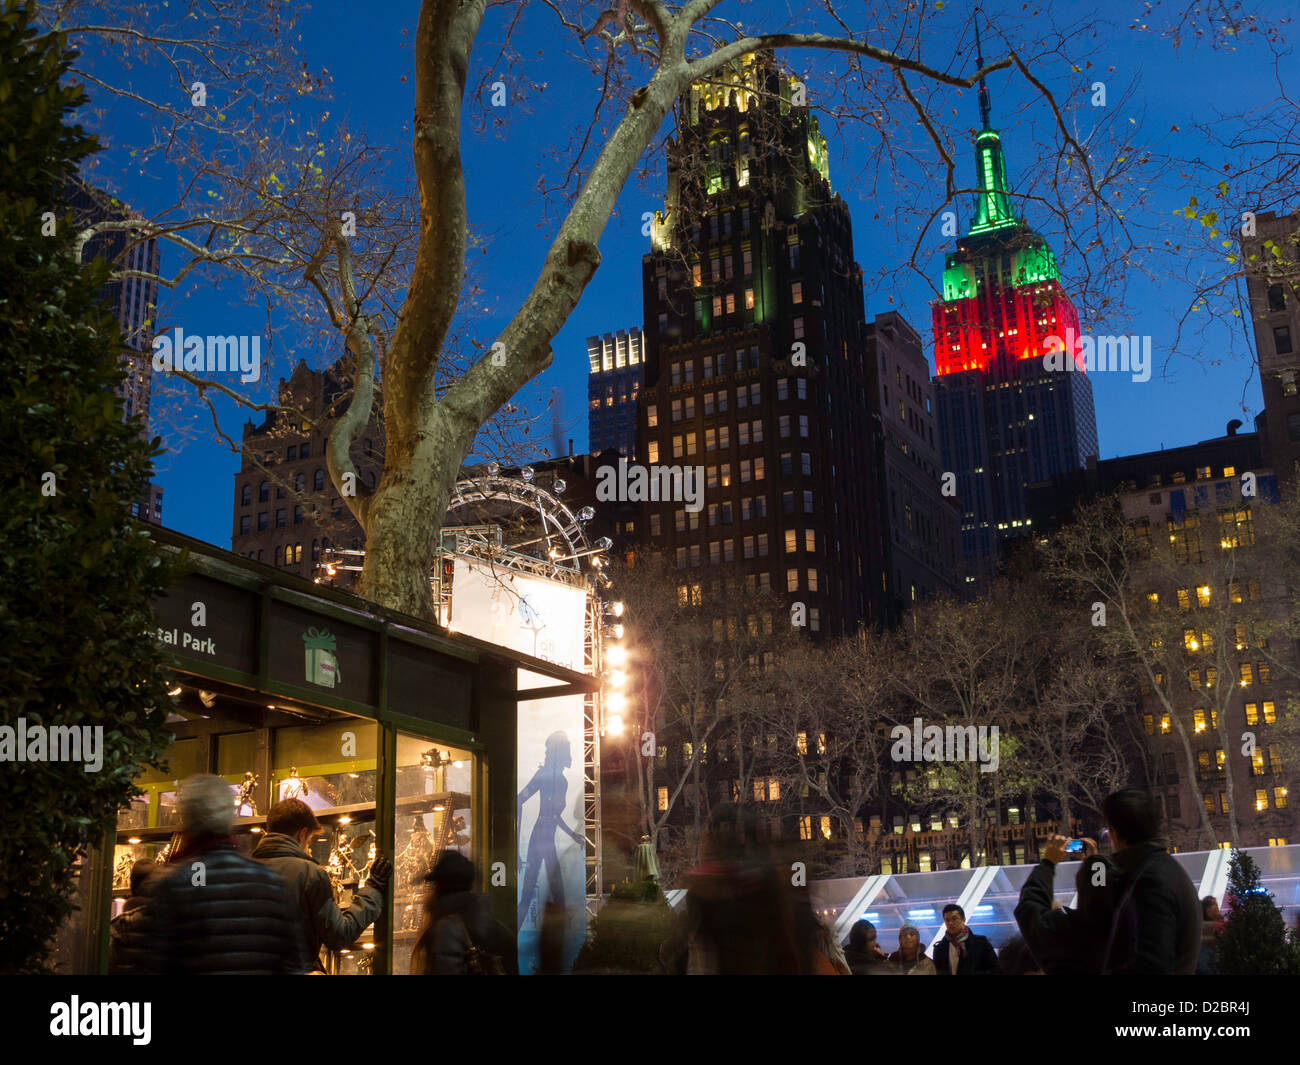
<point>549,781</point>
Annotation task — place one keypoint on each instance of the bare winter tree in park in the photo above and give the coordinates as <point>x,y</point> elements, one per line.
<point>829,717</point>
<point>696,664</point>
<point>1189,607</point>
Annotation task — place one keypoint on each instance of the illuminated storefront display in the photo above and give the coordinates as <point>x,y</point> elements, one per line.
<point>386,727</point>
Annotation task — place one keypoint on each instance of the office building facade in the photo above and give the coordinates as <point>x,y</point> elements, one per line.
<point>921,551</point>
<point>617,363</point>
<point>1273,286</point>
<point>133,301</point>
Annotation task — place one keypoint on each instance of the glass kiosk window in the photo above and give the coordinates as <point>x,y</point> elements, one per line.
<point>433,815</point>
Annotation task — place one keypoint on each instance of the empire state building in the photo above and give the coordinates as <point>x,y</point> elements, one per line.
<point>1004,418</point>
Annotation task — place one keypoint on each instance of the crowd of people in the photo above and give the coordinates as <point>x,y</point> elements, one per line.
<point>1136,912</point>
<point>209,909</point>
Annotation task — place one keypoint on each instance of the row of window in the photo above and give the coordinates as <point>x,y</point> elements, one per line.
<point>760,583</point>
<point>299,485</point>
<point>281,519</point>
<point>1202,595</point>
<point>1255,712</point>
<point>1261,803</point>
<point>291,554</point>
<point>1236,528</point>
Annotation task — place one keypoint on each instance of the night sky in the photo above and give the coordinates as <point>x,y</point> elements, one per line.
<point>1192,401</point>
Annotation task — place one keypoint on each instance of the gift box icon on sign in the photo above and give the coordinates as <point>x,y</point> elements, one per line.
<point>321,663</point>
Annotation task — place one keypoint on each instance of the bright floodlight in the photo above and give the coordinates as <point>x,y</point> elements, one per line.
<point>616,654</point>
<point>616,631</point>
<point>617,678</point>
<point>616,608</point>
<point>615,702</point>
<point>614,725</point>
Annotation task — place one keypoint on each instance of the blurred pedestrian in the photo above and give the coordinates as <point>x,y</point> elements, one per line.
<point>290,828</point>
<point>210,910</point>
<point>830,959</point>
<point>459,936</point>
<point>961,952</point>
<point>909,958</point>
<point>743,917</point>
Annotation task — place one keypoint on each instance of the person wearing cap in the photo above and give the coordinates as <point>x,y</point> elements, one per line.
<point>290,828</point>
<point>456,919</point>
<point>910,958</point>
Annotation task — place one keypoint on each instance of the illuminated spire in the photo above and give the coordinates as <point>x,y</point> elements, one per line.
<point>979,65</point>
<point>992,203</point>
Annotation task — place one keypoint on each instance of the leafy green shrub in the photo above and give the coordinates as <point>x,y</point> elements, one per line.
<point>77,575</point>
<point>1254,939</point>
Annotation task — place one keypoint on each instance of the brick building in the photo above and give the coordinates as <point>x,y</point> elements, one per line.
<point>286,509</point>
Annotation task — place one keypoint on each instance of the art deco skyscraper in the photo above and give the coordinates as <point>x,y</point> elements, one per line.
<point>755,358</point>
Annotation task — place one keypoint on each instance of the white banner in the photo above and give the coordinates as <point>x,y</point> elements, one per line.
<point>545,619</point>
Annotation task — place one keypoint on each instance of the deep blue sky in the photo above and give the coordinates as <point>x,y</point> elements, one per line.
<point>368,65</point>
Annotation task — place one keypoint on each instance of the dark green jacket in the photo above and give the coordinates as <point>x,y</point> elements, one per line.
<point>324,924</point>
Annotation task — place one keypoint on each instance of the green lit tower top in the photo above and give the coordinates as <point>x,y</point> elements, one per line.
<point>992,203</point>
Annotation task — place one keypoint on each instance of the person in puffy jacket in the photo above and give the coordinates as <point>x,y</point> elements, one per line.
<point>210,910</point>
<point>290,828</point>
<point>455,918</point>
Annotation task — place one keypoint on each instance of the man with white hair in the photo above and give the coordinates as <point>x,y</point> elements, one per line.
<point>210,910</point>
